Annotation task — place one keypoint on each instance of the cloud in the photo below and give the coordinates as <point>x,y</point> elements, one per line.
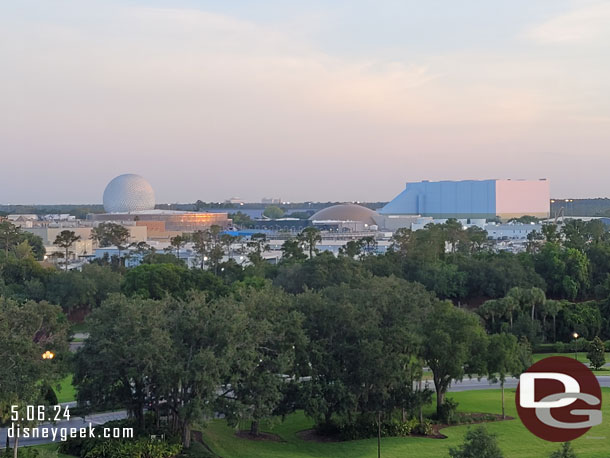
<point>587,25</point>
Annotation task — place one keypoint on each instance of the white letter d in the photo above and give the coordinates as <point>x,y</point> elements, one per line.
<point>527,389</point>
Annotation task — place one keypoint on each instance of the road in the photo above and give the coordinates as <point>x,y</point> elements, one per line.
<point>511,382</point>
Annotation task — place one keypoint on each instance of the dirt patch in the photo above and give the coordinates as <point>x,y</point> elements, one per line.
<point>260,437</point>
<point>313,436</point>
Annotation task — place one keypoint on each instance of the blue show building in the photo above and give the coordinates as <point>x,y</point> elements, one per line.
<point>473,199</point>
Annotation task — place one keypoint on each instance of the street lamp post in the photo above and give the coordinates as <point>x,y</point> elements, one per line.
<point>575,335</point>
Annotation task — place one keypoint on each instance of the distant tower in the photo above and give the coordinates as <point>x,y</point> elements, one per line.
<point>128,193</point>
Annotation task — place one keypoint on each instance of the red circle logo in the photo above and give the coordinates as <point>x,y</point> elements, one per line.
<point>559,399</point>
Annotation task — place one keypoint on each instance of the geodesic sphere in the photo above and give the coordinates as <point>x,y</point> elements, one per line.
<point>128,193</point>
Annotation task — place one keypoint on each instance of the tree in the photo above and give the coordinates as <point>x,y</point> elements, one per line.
<point>178,242</point>
<point>65,239</point>
<point>266,367</point>
<point>478,443</point>
<point>310,236</point>
<point>504,357</point>
<point>227,241</point>
<point>476,239</point>
<point>565,451</point>
<point>528,298</point>
<point>553,308</point>
<point>35,242</point>
<point>202,242</point>
<point>111,234</point>
<point>155,281</point>
<point>26,332</point>
<point>363,348</point>
<point>402,240</point>
<point>535,240</point>
<point>510,306</point>
<point>352,249</point>
<point>368,244</point>
<point>454,345</point>
<point>206,348</point>
<point>491,309</point>
<point>292,251</point>
<point>597,353</point>
<point>454,233</point>
<point>550,233</point>
<point>122,359</point>
<point>273,212</point>
<point>9,236</point>
<point>257,246</point>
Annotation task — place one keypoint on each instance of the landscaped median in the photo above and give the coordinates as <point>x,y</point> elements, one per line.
<point>514,439</point>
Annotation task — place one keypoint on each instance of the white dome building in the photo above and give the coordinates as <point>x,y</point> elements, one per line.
<point>128,193</point>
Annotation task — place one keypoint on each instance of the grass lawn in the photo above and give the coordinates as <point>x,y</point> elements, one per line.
<point>67,392</point>
<point>514,439</point>
<point>582,357</point>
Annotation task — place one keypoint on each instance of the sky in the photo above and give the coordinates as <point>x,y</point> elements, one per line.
<point>319,100</point>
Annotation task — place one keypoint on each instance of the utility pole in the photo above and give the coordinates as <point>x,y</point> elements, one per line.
<point>379,434</point>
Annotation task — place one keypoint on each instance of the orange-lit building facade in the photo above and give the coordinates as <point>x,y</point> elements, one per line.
<point>164,223</point>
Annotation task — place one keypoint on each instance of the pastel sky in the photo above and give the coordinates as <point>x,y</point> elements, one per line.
<point>320,100</point>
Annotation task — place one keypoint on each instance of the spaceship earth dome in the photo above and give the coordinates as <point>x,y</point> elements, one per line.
<point>128,193</point>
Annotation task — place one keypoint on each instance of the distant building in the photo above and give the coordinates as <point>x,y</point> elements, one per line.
<point>473,199</point>
<point>234,200</point>
<point>164,224</point>
<point>271,200</point>
<point>346,218</point>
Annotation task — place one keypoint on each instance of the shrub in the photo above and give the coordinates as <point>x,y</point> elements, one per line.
<point>424,428</point>
<point>448,411</point>
<point>366,426</point>
<point>565,451</point>
<point>596,353</point>
<point>142,448</point>
<point>478,443</point>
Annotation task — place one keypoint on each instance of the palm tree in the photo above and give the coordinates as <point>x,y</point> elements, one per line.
<point>510,305</point>
<point>535,296</point>
<point>65,239</point>
<point>553,308</point>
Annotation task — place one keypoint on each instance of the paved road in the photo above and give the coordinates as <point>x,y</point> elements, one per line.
<point>511,382</point>
<point>74,422</point>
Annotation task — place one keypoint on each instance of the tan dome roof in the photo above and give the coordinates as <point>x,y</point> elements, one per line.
<point>346,212</point>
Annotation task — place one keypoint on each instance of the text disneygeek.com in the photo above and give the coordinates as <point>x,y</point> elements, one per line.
<point>64,433</point>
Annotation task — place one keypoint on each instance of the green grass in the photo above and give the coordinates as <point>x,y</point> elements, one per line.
<point>514,439</point>
<point>67,392</point>
<point>582,357</point>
